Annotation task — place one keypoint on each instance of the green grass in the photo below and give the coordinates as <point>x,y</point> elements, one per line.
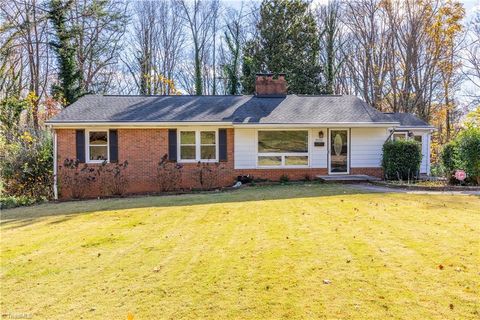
<point>254,253</point>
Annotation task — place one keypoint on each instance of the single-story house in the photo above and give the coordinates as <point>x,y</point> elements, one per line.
<point>266,135</point>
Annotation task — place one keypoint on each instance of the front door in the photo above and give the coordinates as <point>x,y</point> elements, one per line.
<point>338,153</point>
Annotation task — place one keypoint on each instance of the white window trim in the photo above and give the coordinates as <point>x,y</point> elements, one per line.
<point>197,145</point>
<point>282,154</point>
<point>87,145</point>
<point>405,134</point>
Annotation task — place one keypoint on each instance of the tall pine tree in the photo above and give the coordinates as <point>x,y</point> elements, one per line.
<point>68,88</point>
<point>287,43</point>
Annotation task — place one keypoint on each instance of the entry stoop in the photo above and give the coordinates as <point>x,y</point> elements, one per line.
<point>348,178</point>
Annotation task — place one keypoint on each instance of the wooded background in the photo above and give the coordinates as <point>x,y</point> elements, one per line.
<point>420,56</point>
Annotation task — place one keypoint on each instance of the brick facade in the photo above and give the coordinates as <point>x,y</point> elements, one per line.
<point>143,149</point>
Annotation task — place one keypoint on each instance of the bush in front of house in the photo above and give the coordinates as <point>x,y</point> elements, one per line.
<point>207,175</point>
<point>112,177</point>
<point>26,167</point>
<point>401,159</point>
<point>76,178</point>
<point>169,175</point>
<point>463,153</point>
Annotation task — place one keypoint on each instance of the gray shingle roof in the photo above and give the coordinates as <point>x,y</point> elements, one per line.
<point>237,109</point>
<point>407,119</point>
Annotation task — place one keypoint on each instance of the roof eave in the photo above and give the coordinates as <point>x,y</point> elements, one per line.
<point>147,124</point>
<point>318,124</point>
<point>134,124</point>
<point>416,128</point>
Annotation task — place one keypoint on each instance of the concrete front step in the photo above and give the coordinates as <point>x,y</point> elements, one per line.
<point>347,178</point>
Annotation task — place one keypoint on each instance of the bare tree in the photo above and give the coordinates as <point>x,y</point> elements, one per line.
<point>366,56</point>
<point>472,60</point>
<point>328,20</point>
<point>230,51</point>
<point>25,49</point>
<point>156,46</point>
<point>100,28</point>
<point>200,17</point>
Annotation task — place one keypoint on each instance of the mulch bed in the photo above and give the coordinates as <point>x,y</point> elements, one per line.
<point>426,188</point>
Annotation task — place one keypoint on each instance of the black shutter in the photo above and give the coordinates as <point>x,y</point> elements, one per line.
<point>113,143</point>
<point>80,143</point>
<point>172,144</point>
<point>222,144</point>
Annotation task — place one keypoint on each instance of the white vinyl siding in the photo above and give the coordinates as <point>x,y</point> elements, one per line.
<point>366,147</point>
<point>318,155</point>
<point>245,148</point>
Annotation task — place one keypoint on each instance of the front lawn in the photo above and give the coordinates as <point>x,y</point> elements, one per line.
<point>255,253</point>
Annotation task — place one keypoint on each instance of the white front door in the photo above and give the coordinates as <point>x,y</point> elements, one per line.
<point>338,153</point>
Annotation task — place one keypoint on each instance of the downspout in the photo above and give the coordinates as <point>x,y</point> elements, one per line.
<point>55,185</point>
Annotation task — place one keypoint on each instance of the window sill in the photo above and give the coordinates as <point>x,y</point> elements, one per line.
<point>283,167</point>
<point>96,162</point>
<point>197,161</point>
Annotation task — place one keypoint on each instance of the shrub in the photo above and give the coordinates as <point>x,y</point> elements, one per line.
<point>438,170</point>
<point>26,165</point>
<point>468,149</point>
<point>449,157</point>
<point>401,159</point>
<point>463,153</point>
<point>16,201</point>
<point>207,174</point>
<point>112,177</point>
<point>76,177</point>
<point>169,175</point>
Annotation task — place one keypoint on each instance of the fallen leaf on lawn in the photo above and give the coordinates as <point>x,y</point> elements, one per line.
<point>440,267</point>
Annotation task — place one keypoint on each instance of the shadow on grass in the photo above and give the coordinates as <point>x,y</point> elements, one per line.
<point>29,215</point>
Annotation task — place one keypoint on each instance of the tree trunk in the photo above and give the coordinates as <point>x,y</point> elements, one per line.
<point>198,72</point>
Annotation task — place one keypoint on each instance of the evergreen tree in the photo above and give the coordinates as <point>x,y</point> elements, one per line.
<point>231,68</point>
<point>287,43</point>
<point>68,88</point>
<point>330,36</point>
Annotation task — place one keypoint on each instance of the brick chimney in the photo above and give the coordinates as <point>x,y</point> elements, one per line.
<point>267,86</point>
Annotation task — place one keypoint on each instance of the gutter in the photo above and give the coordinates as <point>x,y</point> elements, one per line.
<point>217,124</point>
<point>133,124</point>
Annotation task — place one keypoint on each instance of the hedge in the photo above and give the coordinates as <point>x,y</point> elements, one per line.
<point>464,153</point>
<point>401,159</point>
